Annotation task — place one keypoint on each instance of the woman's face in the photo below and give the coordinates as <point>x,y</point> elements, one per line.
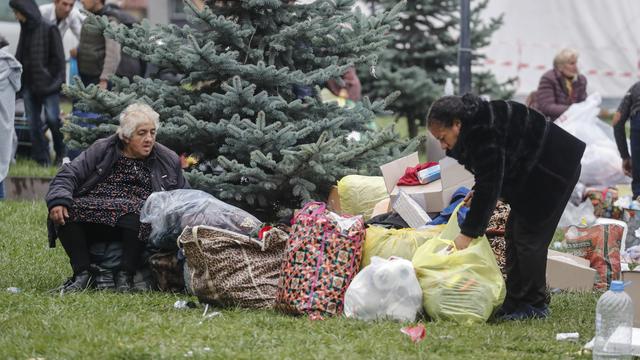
<point>141,142</point>
<point>570,68</point>
<point>447,136</point>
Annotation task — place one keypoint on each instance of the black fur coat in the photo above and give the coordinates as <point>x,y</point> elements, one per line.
<point>517,155</point>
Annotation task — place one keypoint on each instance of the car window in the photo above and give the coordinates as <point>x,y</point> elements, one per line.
<point>6,14</point>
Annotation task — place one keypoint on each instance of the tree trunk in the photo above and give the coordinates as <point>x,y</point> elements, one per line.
<point>412,126</point>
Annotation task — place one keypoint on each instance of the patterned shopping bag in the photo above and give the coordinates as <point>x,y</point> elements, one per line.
<point>323,255</point>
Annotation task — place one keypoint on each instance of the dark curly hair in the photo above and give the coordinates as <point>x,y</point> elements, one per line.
<point>449,108</point>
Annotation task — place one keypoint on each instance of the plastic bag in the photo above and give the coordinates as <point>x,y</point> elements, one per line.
<point>169,212</point>
<point>464,286</point>
<point>601,162</point>
<point>601,245</point>
<point>401,243</point>
<point>360,194</point>
<point>582,214</point>
<point>386,289</point>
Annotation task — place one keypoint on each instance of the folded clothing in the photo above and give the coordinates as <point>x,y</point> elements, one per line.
<point>410,177</point>
<point>456,198</point>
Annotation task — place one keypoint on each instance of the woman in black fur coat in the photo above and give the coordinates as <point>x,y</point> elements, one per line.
<point>530,163</point>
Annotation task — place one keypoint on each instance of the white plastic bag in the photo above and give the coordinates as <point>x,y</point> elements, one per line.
<point>601,162</point>
<point>169,212</point>
<point>577,215</point>
<point>384,289</point>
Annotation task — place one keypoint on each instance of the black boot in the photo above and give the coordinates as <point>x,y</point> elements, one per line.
<point>79,282</point>
<point>124,281</point>
<point>104,279</point>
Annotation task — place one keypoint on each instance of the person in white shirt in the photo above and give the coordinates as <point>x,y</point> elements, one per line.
<point>63,14</point>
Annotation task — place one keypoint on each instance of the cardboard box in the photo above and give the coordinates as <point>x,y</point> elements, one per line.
<point>432,197</point>
<point>633,289</point>
<point>568,272</point>
<point>410,211</point>
<point>429,175</point>
<point>615,340</point>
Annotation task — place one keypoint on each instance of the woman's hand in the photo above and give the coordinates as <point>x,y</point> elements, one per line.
<point>468,198</point>
<point>626,167</point>
<point>462,241</point>
<point>58,214</point>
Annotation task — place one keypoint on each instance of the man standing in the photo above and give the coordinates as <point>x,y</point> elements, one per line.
<point>10,71</point>
<point>62,13</point>
<point>41,54</point>
<point>98,57</point>
<point>629,109</point>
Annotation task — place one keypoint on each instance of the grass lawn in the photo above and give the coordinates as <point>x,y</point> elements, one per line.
<point>92,325</point>
<point>28,167</point>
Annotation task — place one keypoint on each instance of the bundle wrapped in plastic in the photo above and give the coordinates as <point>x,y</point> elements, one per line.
<point>577,215</point>
<point>360,194</point>
<point>601,162</point>
<point>386,289</point>
<point>401,243</point>
<point>169,212</point>
<point>465,285</point>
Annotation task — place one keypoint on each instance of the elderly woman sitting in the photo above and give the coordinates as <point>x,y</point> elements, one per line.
<point>561,86</point>
<point>98,196</point>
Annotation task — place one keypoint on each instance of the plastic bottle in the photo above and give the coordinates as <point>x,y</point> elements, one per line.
<point>614,323</point>
<point>448,87</point>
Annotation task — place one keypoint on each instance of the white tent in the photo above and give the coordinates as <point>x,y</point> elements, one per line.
<point>606,33</point>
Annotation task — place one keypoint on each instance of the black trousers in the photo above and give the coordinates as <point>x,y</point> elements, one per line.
<point>526,254</point>
<point>77,237</point>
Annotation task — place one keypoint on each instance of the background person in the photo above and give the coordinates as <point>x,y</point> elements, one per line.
<point>629,109</point>
<point>99,57</point>
<point>98,196</point>
<point>41,54</point>
<point>532,164</point>
<point>10,72</point>
<point>561,86</point>
<point>66,17</point>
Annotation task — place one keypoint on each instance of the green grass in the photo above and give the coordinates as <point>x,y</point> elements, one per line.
<point>401,126</point>
<point>35,323</point>
<point>30,168</point>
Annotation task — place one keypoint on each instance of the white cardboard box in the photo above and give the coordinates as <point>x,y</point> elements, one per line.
<point>432,197</point>
<point>569,272</point>
<point>632,287</point>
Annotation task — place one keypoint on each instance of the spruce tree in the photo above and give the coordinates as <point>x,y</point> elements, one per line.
<point>248,100</point>
<point>424,53</point>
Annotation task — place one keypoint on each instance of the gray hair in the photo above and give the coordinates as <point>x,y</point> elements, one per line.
<point>564,56</point>
<point>134,115</point>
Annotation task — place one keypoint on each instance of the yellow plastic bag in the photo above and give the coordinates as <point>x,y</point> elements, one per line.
<point>360,194</point>
<point>395,242</point>
<point>460,285</point>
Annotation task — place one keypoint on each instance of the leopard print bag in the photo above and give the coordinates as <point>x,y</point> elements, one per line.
<point>231,269</point>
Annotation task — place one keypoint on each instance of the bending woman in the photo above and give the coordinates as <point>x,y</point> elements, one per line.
<point>100,193</point>
<point>532,164</point>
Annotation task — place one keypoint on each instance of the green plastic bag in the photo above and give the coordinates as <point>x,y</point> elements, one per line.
<point>464,286</point>
<point>360,194</point>
<point>401,243</point>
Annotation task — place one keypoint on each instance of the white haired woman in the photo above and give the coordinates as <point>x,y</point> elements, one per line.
<point>98,196</point>
<point>561,86</point>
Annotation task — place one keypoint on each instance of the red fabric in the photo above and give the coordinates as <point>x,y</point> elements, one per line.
<point>410,177</point>
<point>416,333</point>
<point>263,230</point>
